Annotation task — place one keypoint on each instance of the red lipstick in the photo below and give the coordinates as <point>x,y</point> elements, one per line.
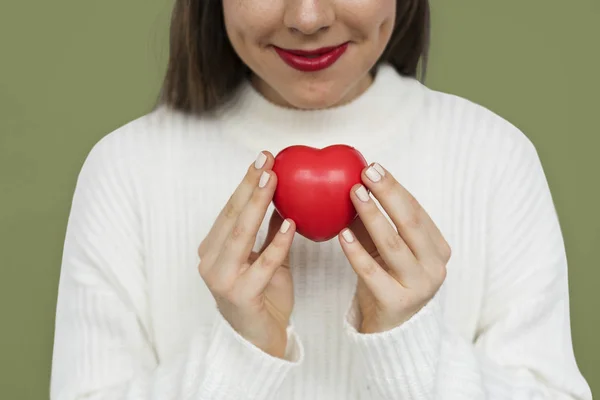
<point>311,60</point>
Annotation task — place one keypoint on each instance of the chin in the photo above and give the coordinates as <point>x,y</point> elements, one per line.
<point>313,97</point>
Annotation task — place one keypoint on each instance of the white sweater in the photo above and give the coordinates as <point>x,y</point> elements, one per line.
<point>134,319</point>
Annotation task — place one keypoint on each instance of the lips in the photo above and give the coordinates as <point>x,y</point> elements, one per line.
<point>308,53</point>
<point>311,60</point>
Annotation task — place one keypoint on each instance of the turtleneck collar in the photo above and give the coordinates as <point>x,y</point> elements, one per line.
<point>385,108</point>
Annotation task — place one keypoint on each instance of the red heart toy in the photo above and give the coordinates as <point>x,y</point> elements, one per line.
<point>314,186</point>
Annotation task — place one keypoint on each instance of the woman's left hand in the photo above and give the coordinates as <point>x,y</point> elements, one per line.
<point>399,271</point>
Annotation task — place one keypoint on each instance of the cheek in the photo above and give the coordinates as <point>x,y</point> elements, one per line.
<point>369,19</point>
<point>251,21</point>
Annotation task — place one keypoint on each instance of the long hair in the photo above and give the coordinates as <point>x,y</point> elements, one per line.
<point>204,70</point>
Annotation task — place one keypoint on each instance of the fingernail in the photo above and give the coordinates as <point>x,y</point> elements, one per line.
<point>379,169</point>
<point>284,226</point>
<point>362,194</point>
<point>260,160</point>
<point>373,175</point>
<point>264,178</point>
<point>347,235</point>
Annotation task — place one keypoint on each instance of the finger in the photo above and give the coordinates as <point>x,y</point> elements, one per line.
<point>429,224</point>
<point>255,279</point>
<point>381,284</point>
<point>362,235</point>
<point>395,252</point>
<point>274,224</point>
<point>241,239</point>
<point>411,220</point>
<point>236,203</point>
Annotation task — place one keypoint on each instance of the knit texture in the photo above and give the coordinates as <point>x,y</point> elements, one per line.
<point>134,319</point>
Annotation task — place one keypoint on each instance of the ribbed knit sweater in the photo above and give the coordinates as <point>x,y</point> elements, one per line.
<point>135,320</point>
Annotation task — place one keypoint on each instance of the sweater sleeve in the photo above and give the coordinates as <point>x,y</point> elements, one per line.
<point>523,347</point>
<point>103,347</point>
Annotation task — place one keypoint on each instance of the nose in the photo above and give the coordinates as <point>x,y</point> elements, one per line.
<point>309,16</point>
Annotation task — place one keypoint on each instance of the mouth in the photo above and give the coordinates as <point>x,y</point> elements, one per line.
<point>312,60</point>
<point>313,53</point>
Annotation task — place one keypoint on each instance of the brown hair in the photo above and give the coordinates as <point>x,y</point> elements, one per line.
<point>204,69</point>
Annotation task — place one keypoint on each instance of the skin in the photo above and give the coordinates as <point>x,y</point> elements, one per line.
<point>254,26</point>
<point>253,290</point>
<point>400,267</point>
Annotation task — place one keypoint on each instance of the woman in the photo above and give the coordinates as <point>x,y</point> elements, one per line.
<point>180,282</point>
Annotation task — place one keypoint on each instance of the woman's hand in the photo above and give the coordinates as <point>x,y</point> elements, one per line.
<point>253,291</point>
<point>399,271</point>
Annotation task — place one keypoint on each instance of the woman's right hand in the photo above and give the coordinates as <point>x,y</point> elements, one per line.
<point>253,291</point>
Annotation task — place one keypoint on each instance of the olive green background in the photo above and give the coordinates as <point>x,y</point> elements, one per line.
<point>72,71</point>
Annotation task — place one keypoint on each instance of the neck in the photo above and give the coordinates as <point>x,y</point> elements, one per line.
<point>386,107</point>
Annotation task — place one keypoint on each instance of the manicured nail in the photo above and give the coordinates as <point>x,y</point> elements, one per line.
<point>373,175</point>
<point>379,169</point>
<point>362,194</point>
<point>347,235</point>
<point>260,160</point>
<point>284,226</point>
<point>264,178</point>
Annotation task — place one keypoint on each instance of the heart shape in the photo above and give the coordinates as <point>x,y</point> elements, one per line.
<point>314,186</point>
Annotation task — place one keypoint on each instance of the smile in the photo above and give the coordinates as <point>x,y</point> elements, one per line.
<point>311,60</point>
